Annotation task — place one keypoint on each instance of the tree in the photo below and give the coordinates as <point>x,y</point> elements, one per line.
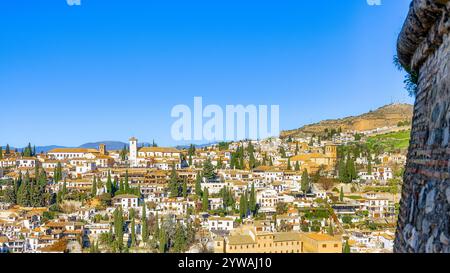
<point>346,247</point>
<point>205,200</point>
<point>1,152</point>
<point>118,227</point>
<point>23,194</point>
<point>7,150</point>
<point>198,185</point>
<point>351,170</point>
<point>341,194</point>
<point>297,166</point>
<point>184,191</point>
<point>174,187</point>
<point>281,208</point>
<point>28,152</point>
<point>330,229</point>
<point>305,181</point>
<point>326,183</point>
<point>109,185</point>
<point>289,167</point>
<point>190,160</point>
<point>208,170</point>
<point>124,153</point>
<point>133,228</point>
<point>126,184</point>
<point>11,193</point>
<point>94,187</point>
<point>180,239</point>
<point>144,231</point>
<point>162,241</point>
<point>342,171</point>
<point>252,201</point>
<point>243,206</point>
<point>58,173</point>
<point>156,228</point>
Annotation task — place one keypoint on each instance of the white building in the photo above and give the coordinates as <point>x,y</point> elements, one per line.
<point>126,201</point>
<point>267,200</point>
<point>220,223</point>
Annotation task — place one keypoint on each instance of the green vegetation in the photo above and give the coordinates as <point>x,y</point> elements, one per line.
<point>390,142</point>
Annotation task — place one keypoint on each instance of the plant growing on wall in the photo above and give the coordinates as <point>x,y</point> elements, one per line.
<point>411,78</point>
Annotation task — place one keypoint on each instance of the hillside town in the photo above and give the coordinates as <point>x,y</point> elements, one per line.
<point>334,192</point>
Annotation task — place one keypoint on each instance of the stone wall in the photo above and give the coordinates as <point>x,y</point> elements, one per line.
<point>424,48</point>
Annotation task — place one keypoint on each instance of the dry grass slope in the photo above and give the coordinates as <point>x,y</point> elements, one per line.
<point>389,115</point>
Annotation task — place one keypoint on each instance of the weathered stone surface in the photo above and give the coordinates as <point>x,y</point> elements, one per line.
<point>424,48</point>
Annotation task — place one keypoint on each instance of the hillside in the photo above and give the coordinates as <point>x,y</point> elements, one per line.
<point>389,115</point>
<point>390,142</point>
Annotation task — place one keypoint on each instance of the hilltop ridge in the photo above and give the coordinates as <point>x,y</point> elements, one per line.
<point>388,115</point>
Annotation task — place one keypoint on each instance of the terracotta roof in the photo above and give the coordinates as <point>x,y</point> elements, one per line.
<point>158,150</point>
<point>58,246</point>
<point>73,150</point>
<point>240,240</point>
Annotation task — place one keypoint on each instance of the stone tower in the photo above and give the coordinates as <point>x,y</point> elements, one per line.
<point>102,149</point>
<point>331,150</point>
<point>424,50</point>
<point>133,151</point>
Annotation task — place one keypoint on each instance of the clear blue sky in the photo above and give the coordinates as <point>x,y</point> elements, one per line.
<point>108,70</point>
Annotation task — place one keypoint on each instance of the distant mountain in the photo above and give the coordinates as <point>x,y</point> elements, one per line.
<point>199,146</point>
<point>39,149</point>
<point>45,149</point>
<point>110,145</point>
<point>388,115</point>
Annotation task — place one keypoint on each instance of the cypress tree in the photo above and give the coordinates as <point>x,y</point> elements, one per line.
<point>305,181</point>
<point>23,194</point>
<point>297,166</point>
<point>253,206</point>
<point>198,185</point>
<point>185,194</point>
<point>243,203</point>
<point>330,229</point>
<point>126,185</point>
<point>144,223</point>
<point>156,229</point>
<point>173,183</point>
<point>342,171</point>
<point>133,228</point>
<point>208,170</point>
<point>180,239</point>
<point>162,240</point>
<point>121,187</point>
<point>205,200</point>
<point>109,185</point>
<point>7,150</point>
<point>341,194</point>
<point>58,173</point>
<point>346,247</point>
<point>94,187</point>
<point>118,227</point>
<point>351,170</point>
<point>1,152</point>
